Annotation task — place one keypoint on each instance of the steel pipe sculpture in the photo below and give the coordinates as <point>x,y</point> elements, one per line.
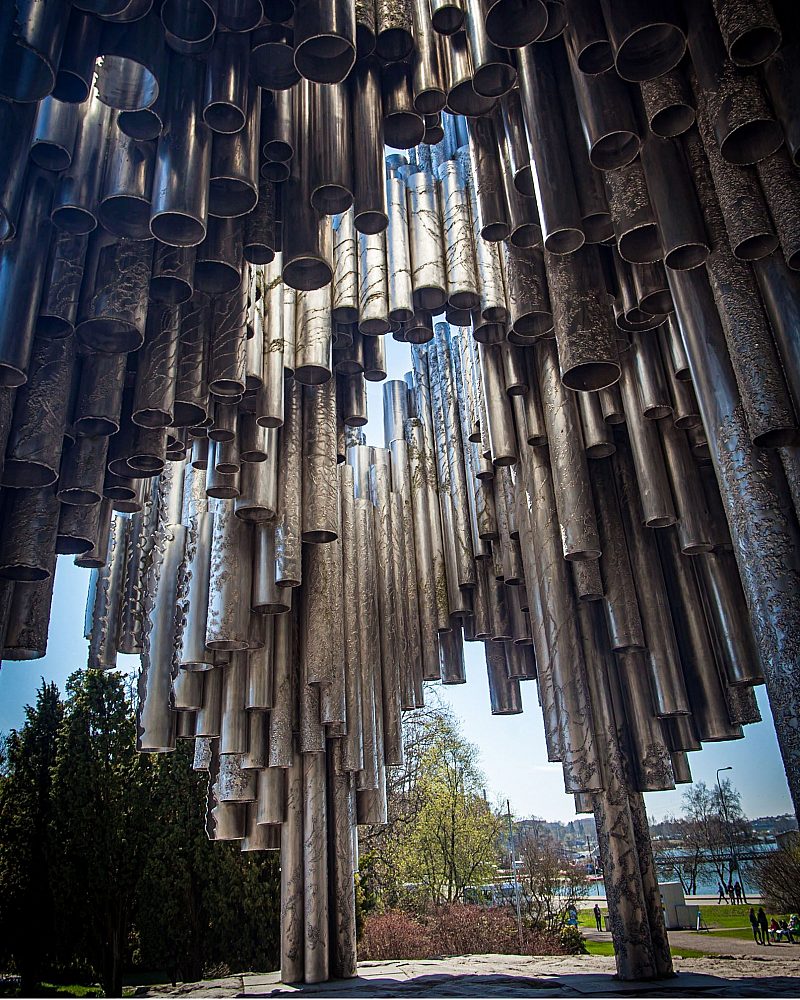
<point>591,466</point>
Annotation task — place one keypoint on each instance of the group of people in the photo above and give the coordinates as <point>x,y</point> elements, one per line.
<point>732,893</point>
<point>766,931</point>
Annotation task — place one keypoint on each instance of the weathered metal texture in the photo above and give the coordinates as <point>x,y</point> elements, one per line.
<point>108,591</point>
<point>669,693</point>
<point>584,329</point>
<point>616,839</point>
<point>743,123</point>
<point>704,685</point>
<point>572,740</point>
<point>319,482</point>
<point>576,514</point>
<point>632,214</point>
<point>778,179</point>
<point>651,475</point>
<point>36,432</point>
<point>288,571</point>
<point>751,348</point>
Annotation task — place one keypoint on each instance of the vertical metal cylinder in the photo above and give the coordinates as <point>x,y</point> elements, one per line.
<point>319,497</point>
<point>288,529</point>
<point>570,470</point>
<point>344,307</point>
<point>369,194</point>
<point>315,869</point>
<point>113,303</point>
<point>373,294</point>
<point>462,280</point>
<point>324,40</point>
<point>645,43</point>
<point>292,877</point>
<point>552,174</point>
<point>669,693</point>
<point>428,273</point>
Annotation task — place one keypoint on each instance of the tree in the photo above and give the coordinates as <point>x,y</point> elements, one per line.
<point>777,876</point>
<point>550,883</point>
<point>442,835</point>
<point>101,831</point>
<point>26,900</point>
<point>714,826</point>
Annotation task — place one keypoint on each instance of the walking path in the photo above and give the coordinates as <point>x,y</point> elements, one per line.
<point>499,976</point>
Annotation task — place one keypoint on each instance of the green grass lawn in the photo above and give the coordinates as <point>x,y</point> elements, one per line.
<point>607,948</point>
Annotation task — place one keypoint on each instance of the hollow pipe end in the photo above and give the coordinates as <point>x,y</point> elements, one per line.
<point>177,229</point>
<point>591,376</point>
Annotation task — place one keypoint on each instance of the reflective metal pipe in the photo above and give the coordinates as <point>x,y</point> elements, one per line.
<point>743,123</point>
<point>155,717</point>
<point>54,134</point>
<point>493,71</point>
<point>233,184</point>
<point>345,277</point>
<point>704,687</point>
<point>500,424</point>
<point>462,281</point>
<point>31,47</point>
<point>107,598</point>
<point>227,370</point>
<point>404,127</point>
<point>649,376</point>
<point>427,80</point>
<point>157,368</point>
<point>492,219</point>
<point>373,288</point>
<point>552,175</point>
<point>693,529</point>
<point>58,306</point>
<point>113,302</point>
<point>332,157</point>
<point>777,176</point>
<point>447,16</point>
<point>369,189</point>
<point>394,30</point>
<point>313,360</point>
<point>598,438</point>
<point>462,98</point>
<point>586,38</point>
<point>669,693</point>
<point>513,25</point>
<point>183,160</point>
<point>650,755</point>
<point>228,600</point>
<point>428,273</point>
<point>287,535</point>
<point>680,222</point>
<point>40,409</point>
<point>646,43</point>
<point>191,390</point>
<point>353,743</point>
<point>621,606</point>
<point>530,314</point>
<point>319,477</point>
<point>564,669</point>
<point>781,74</point>
<point>567,455</point>
<point>584,332</point>
<point>653,485</point>
<point>272,57</point>
<point>77,63</point>
<point>632,214</point>
<point>668,104</point>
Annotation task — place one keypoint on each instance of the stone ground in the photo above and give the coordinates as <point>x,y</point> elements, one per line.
<point>735,974</point>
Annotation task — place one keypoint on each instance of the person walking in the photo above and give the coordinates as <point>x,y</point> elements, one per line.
<point>731,896</point>
<point>754,925</point>
<point>721,888</point>
<point>763,924</point>
<point>737,890</point>
<point>598,917</point>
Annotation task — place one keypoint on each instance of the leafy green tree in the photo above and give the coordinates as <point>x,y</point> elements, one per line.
<point>101,831</point>
<point>442,835</point>
<point>26,900</point>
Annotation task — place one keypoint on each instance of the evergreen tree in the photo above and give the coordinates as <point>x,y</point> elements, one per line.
<point>26,900</point>
<point>101,831</point>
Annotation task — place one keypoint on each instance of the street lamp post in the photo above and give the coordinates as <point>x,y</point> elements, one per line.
<point>724,804</point>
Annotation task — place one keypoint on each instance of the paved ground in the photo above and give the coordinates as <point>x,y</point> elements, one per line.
<point>774,975</point>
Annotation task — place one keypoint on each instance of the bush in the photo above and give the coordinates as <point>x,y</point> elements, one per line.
<point>572,941</point>
<point>456,929</point>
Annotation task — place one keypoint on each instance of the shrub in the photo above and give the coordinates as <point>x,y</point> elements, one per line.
<point>572,941</point>
<point>455,929</point>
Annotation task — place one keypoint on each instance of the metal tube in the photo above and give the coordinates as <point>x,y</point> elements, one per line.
<point>373,290</point>
<point>646,43</point>
<point>552,175</point>
<point>428,273</point>
<point>369,190</point>
<point>325,40</point>
<point>462,279</point>
<point>319,477</point>
<point>290,477</point>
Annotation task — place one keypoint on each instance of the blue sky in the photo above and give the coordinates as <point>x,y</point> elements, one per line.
<point>512,748</point>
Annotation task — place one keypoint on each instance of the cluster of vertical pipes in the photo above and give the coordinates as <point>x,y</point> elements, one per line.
<point>591,245</point>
